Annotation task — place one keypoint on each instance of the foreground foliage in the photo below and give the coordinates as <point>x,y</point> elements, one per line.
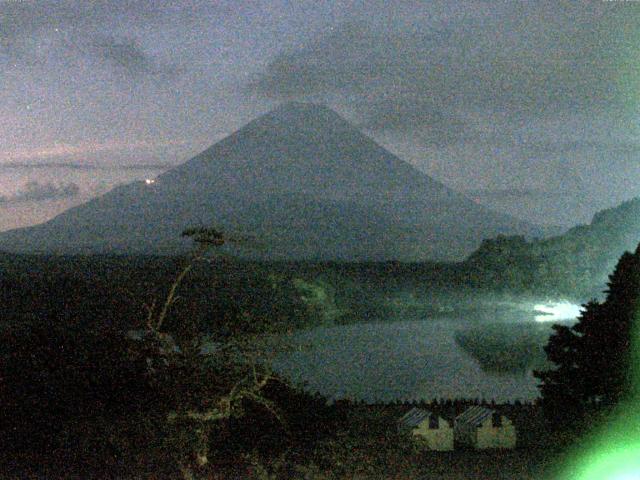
<point>207,377</point>
<point>592,358</point>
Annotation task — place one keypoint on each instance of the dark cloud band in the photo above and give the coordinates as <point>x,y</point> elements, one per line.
<point>534,58</point>
<point>40,192</point>
<point>82,166</point>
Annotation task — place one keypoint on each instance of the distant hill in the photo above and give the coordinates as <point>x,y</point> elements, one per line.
<point>574,263</point>
<point>301,179</point>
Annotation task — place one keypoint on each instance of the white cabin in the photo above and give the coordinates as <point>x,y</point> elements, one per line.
<point>479,427</point>
<point>428,429</point>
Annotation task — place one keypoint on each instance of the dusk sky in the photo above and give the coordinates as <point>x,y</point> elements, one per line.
<point>532,107</point>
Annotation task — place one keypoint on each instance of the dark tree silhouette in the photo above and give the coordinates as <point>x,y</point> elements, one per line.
<point>593,356</point>
<point>206,381</point>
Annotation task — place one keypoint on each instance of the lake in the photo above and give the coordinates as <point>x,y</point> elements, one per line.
<point>487,353</point>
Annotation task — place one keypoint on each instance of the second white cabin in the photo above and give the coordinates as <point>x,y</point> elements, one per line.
<point>479,427</point>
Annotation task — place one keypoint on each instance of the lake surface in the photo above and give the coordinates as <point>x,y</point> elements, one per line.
<point>487,355</point>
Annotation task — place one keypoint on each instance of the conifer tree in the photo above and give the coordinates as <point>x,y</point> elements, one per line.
<point>592,357</point>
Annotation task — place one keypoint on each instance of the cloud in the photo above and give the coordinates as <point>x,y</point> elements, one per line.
<point>410,112</point>
<point>39,192</point>
<point>83,166</point>
<point>125,54</point>
<point>616,149</point>
<point>39,32</point>
<point>25,18</point>
<point>523,58</point>
<point>128,56</point>
<point>25,156</point>
<point>513,193</point>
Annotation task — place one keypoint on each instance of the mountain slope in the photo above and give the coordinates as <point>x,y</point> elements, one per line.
<point>300,178</point>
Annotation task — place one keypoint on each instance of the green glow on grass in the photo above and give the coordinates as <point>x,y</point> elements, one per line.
<point>613,451</point>
<point>622,463</point>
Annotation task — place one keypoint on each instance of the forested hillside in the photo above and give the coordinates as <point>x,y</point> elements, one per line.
<point>575,263</point>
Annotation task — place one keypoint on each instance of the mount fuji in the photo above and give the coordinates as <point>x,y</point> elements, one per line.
<point>303,181</point>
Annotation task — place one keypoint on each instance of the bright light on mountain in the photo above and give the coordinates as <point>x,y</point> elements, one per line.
<point>557,311</point>
<point>149,181</point>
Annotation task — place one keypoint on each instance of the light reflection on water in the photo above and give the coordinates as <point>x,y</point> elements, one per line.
<point>554,312</point>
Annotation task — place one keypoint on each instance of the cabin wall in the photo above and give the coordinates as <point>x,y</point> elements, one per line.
<point>490,437</point>
<point>435,439</point>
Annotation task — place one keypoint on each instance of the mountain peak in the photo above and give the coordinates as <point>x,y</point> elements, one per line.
<point>296,106</point>
<point>299,114</point>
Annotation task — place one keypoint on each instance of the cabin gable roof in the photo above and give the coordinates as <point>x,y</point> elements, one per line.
<point>474,416</point>
<point>413,418</point>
